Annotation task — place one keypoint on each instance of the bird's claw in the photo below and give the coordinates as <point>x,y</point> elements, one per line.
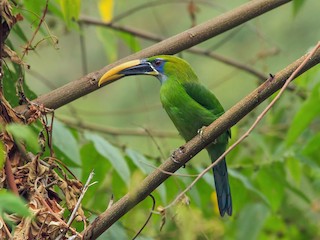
<point>200,131</point>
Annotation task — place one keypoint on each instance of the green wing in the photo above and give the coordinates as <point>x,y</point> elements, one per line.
<point>205,98</point>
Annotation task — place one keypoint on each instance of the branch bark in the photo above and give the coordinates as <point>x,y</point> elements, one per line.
<point>155,38</point>
<point>191,148</point>
<point>172,45</point>
<point>195,50</point>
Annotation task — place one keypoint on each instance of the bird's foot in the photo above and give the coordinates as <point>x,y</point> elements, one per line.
<point>200,131</point>
<point>175,154</point>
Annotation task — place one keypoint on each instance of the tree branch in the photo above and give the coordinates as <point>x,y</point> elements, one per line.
<point>172,45</point>
<point>194,146</point>
<point>152,37</point>
<point>195,50</point>
<point>118,131</point>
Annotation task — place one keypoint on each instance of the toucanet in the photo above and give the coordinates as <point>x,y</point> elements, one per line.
<point>190,106</point>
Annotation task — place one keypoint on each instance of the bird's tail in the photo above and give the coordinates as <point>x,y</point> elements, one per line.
<point>221,181</point>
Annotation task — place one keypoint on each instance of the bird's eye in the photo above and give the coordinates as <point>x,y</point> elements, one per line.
<point>157,62</point>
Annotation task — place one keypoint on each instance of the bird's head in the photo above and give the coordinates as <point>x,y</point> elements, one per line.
<point>163,67</point>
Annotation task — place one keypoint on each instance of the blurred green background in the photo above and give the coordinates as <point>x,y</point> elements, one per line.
<point>274,174</point>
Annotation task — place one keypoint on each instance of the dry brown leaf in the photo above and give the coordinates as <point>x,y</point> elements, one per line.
<point>7,114</point>
<point>42,223</point>
<point>8,52</point>
<point>6,12</point>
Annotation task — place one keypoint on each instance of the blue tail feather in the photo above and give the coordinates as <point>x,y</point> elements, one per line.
<point>221,181</point>
<point>222,188</point>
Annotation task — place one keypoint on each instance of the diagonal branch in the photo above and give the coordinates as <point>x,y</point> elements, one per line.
<point>194,146</point>
<point>172,45</point>
<point>195,50</point>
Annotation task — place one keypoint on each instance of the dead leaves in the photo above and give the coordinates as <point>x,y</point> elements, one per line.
<point>6,25</point>
<point>36,181</point>
<point>6,13</point>
<point>13,56</point>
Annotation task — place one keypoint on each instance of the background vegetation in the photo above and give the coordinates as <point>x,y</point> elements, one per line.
<point>122,133</point>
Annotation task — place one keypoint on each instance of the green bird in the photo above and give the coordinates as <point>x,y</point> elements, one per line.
<point>190,106</point>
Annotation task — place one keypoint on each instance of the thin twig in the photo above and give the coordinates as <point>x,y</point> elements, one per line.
<point>169,173</point>
<point>75,210</point>
<point>125,112</point>
<point>247,133</point>
<point>36,31</point>
<point>84,190</point>
<point>10,177</point>
<point>157,2</point>
<point>43,201</point>
<point>150,134</point>
<point>63,164</point>
<point>117,131</point>
<point>149,217</point>
<point>83,52</point>
<point>6,228</point>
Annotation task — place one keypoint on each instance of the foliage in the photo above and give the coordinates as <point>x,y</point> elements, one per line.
<point>274,175</point>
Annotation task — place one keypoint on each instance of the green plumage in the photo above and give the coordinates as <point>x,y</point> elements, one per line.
<point>191,106</point>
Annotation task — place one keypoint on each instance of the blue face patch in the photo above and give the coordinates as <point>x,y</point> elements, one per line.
<point>158,64</point>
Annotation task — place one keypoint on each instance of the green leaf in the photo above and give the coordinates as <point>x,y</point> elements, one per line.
<point>34,7</point>
<point>109,41</point>
<point>92,160</point>
<point>297,5</point>
<point>247,184</point>
<point>32,11</point>
<point>270,184</point>
<point>293,165</point>
<point>116,231</point>
<point>112,154</point>
<point>17,30</point>
<point>71,11</point>
<point>251,220</point>
<point>139,160</point>
<point>64,140</point>
<point>207,177</point>
<point>12,204</point>
<point>25,134</point>
<point>312,147</point>
<point>54,9</point>
<point>142,163</point>
<point>10,79</point>
<point>130,40</point>
<point>162,190</point>
<point>307,112</point>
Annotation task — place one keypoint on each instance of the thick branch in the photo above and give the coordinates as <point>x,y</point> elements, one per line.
<point>190,149</point>
<point>195,50</point>
<point>172,45</point>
